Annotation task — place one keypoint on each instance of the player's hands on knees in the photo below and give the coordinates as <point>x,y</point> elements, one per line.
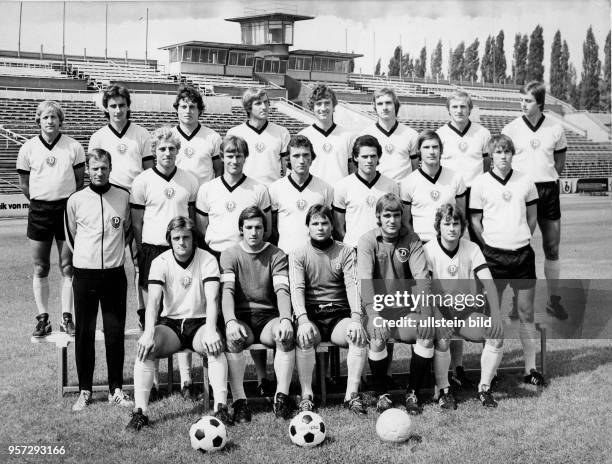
<point>496,330</point>
<point>235,332</point>
<point>145,345</point>
<point>284,331</point>
<point>426,331</point>
<point>444,333</point>
<point>356,333</point>
<point>212,340</point>
<point>306,334</point>
<point>378,333</point>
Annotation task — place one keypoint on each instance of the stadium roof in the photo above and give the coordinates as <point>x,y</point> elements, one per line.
<point>325,53</point>
<point>198,43</point>
<point>271,15</point>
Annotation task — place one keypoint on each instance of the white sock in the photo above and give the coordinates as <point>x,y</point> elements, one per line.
<point>489,362</point>
<point>236,365</point>
<point>441,363</point>
<point>354,366</point>
<point>552,271</point>
<point>528,335</point>
<point>184,363</point>
<point>40,285</point>
<point>305,360</point>
<point>284,362</point>
<point>217,374</point>
<point>67,297</point>
<point>423,351</point>
<point>456,353</point>
<point>156,374</point>
<point>377,355</point>
<point>143,381</point>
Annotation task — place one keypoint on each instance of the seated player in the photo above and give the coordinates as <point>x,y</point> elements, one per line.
<point>257,309</point>
<point>390,258</point>
<point>186,279</point>
<point>456,263</point>
<point>326,306</point>
<point>503,209</point>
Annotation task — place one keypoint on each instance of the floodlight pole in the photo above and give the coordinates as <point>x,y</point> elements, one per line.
<point>147,38</point>
<point>64,32</point>
<point>19,37</point>
<point>106,34</point>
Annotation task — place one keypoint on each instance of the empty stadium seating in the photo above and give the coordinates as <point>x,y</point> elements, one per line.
<point>104,72</point>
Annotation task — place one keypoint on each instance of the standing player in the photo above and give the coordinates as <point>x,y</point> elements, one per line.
<point>257,309</point>
<point>200,146</point>
<point>98,226</point>
<point>331,142</point>
<point>456,263</point>
<point>503,208</point>
<point>186,280</point>
<point>325,298</point>
<point>388,257</point>
<point>159,194</point>
<point>398,141</point>
<point>295,193</point>
<point>430,186</point>
<point>540,153</point>
<point>51,167</point>
<point>355,196</point>
<point>267,141</point>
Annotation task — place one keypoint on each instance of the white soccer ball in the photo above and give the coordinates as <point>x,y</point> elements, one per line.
<point>307,429</point>
<point>208,434</point>
<point>393,425</point>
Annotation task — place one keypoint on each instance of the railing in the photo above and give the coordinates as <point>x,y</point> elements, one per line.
<point>12,136</point>
<point>295,105</point>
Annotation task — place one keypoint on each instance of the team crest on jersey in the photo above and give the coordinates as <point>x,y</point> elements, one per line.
<point>260,146</point>
<point>389,148</point>
<point>452,269</point>
<point>169,192</point>
<point>371,200</point>
<point>189,151</point>
<point>327,147</point>
<point>535,143</point>
<point>507,195</point>
<point>230,206</point>
<point>51,160</point>
<point>122,148</point>
<point>301,204</point>
<point>435,194</point>
<point>402,254</point>
<point>186,281</point>
<point>115,222</point>
<point>463,146</point>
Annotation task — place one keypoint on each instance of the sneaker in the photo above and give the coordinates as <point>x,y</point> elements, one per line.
<point>412,404</point>
<point>459,380</point>
<point>355,405</point>
<point>187,391</point>
<point>514,311</point>
<point>446,400</point>
<point>222,413</point>
<point>121,399</point>
<point>555,308</point>
<point>83,401</point>
<point>368,399</point>
<point>138,420</point>
<point>306,404</point>
<point>486,398</point>
<point>141,318</point>
<point>535,378</point>
<point>265,388</point>
<point>242,412</point>
<point>384,402</point>
<point>67,325</point>
<point>282,406</point>
<point>43,326</point>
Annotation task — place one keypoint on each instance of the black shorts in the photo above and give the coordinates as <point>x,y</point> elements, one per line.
<point>146,256</point>
<point>326,317</point>
<point>185,329</point>
<point>549,206</point>
<point>46,220</point>
<point>514,267</point>
<point>256,320</point>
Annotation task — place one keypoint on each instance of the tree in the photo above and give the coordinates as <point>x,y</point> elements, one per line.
<point>420,65</point>
<point>574,88</point>
<point>377,68</point>
<point>436,61</point>
<point>519,59</point>
<point>591,69</point>
<point>471,62</point>
<point>535,56</point>
<point>499,58</point>
<point>604,94</point>
<point>486,65</point>
<point>565,56</point>
<point>456,65</point>
<point>557,77</point>
<point>394,62</point>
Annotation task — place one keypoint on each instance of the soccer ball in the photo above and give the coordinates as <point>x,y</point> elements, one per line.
<point>208,434</point>
<point>307,429</point>
<point>393,425</point>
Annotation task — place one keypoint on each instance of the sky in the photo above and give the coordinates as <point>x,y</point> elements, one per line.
<point>371,28</point>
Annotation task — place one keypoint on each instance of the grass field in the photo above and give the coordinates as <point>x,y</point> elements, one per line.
<point>570,422</point>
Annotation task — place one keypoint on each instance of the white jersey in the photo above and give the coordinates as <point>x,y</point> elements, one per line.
<point>464,151</point>
<point>398,148</point>
<point>266,147</point>
<point>198,151</point>
<point>183,283</point>
<point>357,198</point>
<point>162,198</point>
<point>503,204</point>
<point>426,194</point>
<point>333,149</point>
<point>223,204</point>
<point>51,166</point>
<point>291,202</point>
<point>536,147</point>
<point>128,149</point>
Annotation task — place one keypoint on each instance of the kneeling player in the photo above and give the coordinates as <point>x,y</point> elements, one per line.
<point>326,306</point>
<point>395,254</point>
<point>187,278</point>
<point>455,262</point>
<point>257,309</point>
